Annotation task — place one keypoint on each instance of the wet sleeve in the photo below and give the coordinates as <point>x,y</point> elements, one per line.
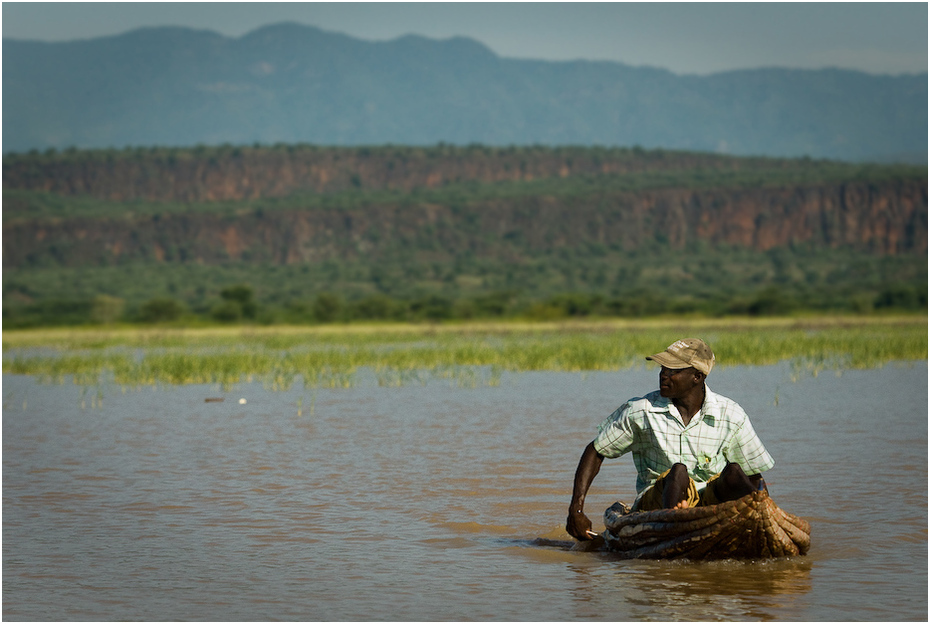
<point>616,434</point>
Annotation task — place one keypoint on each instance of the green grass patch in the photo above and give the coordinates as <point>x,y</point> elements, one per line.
<point>467,353</point>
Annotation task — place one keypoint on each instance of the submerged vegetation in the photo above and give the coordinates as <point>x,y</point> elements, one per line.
<point>467,354</point>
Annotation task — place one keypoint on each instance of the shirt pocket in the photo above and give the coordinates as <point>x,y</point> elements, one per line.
<point>708,465</point>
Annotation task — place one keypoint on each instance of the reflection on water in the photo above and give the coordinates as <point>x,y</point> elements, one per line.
<point>713,591</point>
<point>680,590</point>
<point>437,502</point>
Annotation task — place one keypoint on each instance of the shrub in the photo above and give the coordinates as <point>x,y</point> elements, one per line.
<point>107,309</point>
<point>376,307</point>
<point>327,307</point>
<point>160,309</point>
<point>227,312</point>
<point>239,296</point>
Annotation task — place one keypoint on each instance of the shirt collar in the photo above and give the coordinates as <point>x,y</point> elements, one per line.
<point>709,408</point>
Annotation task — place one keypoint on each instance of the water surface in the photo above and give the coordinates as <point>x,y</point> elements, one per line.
<point>437,502</point>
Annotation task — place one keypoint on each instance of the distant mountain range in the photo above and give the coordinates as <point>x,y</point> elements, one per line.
<point>290,83</point>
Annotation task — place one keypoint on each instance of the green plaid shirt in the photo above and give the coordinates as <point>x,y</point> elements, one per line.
<point>652,429</point>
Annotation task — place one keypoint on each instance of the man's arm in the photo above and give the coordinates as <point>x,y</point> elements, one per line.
<point>588,466</point>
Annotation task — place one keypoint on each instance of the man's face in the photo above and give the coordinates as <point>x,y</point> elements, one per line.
<point>675,383</point>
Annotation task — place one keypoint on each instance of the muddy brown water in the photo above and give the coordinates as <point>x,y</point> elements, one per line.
<point>437,502</point>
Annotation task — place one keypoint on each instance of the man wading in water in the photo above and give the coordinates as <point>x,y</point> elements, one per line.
<point>690,446</point>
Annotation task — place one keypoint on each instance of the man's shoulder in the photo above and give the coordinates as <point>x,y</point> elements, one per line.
<point>723,406</point>
<point>651,402</point>
<point>636,411</point>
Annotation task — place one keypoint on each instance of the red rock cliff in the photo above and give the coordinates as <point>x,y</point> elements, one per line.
<point>883,218</point>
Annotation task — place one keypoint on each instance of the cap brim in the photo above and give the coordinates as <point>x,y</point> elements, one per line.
<point>668,360</point>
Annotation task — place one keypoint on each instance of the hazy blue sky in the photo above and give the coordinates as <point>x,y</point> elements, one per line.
<point>683,37</point>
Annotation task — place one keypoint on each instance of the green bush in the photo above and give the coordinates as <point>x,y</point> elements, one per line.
<point>107,309</point>
<point>48,313</point>
<point>432,307</point>
<point>237,302</point>
<point>377,307</point>
<point>327,307</point>
<point>160,309</point>
<point>901,297</point>
<point>226,312</point>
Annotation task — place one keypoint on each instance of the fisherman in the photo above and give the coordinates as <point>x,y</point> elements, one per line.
<point>690,446</point>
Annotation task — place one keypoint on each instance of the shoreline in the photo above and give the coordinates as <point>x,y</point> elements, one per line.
<point>41,336</point>
<point>400,353</point>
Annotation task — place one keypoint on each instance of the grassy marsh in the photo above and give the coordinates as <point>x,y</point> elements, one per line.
<point>466,353</point>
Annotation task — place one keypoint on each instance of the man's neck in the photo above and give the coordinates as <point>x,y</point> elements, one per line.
<point>690,404</point>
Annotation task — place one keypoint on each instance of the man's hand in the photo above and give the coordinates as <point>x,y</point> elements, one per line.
<point>577,524</point>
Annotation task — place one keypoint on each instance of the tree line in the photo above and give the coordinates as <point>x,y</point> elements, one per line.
<point>590,283</point>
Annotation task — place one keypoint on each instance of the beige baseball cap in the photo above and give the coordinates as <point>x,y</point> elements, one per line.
<point>684,353</point>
